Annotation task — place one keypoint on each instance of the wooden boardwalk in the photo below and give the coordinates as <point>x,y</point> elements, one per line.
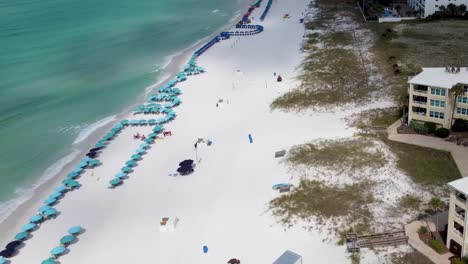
<point>355,242</point>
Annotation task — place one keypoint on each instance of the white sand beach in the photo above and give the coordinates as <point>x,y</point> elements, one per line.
<point>224,203</point>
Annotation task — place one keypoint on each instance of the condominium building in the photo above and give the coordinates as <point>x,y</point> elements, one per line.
<point>430,99</point>
<point>457,239</point>
<point>429,7</point>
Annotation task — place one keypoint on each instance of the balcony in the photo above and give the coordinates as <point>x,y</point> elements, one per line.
<point>420,89</point>
<point>460,215</point>
<point>461,197</point>
<point>459,233</point>
<point>420,102</point>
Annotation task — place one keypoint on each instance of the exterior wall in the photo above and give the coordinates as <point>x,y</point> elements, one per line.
<point>447,110</point>
<point>452,219</point>
<point>429,7</point>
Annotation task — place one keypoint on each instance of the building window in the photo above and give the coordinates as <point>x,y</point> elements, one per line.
<point>462,99</point>
<point>437,103</point>
<point>435,114</point>
<point>462,111</point>
<point>438,91</point>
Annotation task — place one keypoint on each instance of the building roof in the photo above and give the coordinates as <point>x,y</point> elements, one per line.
<point>438,77</point>
<point>460,185</point>
<point>288,257</point>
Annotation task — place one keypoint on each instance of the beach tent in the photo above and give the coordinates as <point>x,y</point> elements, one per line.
<point>50,212</point>
<point>49,261</point>
<point>35,218</point>
<point>289,257</point>
<point>14,244</point>
<point>44,208</point>
<point>22,236</point>
<point>75,230</point>
<point>67,239</point>
<point>28,227</point>
<point>57,251</point>
<point>7,253</point>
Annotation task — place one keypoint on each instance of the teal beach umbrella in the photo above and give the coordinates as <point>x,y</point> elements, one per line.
<point>131,163</point>
<point>75,230</point>
<point>35,219</point>
<point>57,251</point>
<point>67,239</point>
<point>22,235</point>
<point>115,182</point>
<point>28,227</point>
<point>136,156</point>
<point>51,212</point>
<point>44,208</point>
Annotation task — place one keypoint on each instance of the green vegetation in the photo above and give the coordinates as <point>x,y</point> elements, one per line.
<point>459,261</point>
<point>422,230</point>
<point>430,127</point>
<point>311,199</point>
<point>460,125</point>
<point>420,128</point>
<point>425,166</point>
<point>379,117</point>
<point>355,258</point>
<point>437,245</point>
<point>442,132</point>
<point>411,258</point>
<point>338,154</point>
<point>410,202</point>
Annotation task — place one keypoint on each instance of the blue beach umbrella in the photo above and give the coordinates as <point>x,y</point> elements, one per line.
<point>149,140</point>
<point>144,145</point>
<point>77,170</point>
<point>124,122</point>
<point>56,195</point>
<point>83,164</point>
<point>74,230</point>
<point>99,145</point>
<point>86,159</point>
<point>115,182</point>
<point>168,105</point>
<point>131,163</point>
<point>94,162</point>
<point>22,236</point>
<point>142,122</point>
<point>2,260</point>
<point>121,175</point>
<point>60,188</point>
<point>28,227</point>
<point>44,208</point>
<point>139,151</point>
<point>67,239</point>
<point>72,175</point>
<point>49,261</point>
<point>152,135</point>
<point>57,251</point>
<point>126,169</point>
<point>152,121</point>
<point>50,201</point>
<point>67,181</point>
<point>72,184</point>
<point>50,212</point>
<point>134,122</point>
<point>35,219</point>
<point>136,156</point>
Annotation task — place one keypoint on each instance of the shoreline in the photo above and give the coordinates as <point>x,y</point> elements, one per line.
<point>42,187</point>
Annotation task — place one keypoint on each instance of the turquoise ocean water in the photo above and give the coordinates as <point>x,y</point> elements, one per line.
<point>66,64</point>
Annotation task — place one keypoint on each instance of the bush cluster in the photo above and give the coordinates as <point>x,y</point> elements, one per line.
<point>442,132</point>
<point>460,125</point>
<point>431,127</point>
<point>437,245</point>
<point>418,127</point>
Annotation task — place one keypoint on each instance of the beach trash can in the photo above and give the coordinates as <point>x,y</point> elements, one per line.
<point>205,249</point>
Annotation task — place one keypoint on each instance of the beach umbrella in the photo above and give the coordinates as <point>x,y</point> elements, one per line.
<point>121,175</point>
<point>50,212</point>
<point>35,219</point>
<point>168,105</point>
<point>134,122</point>
<point>72,184</point>
<point>67,181</point>
<point>131,163</point>
<point>140,151</point>
<point>136,156</point>
<point>144,145</point>
<point>103,141</point>
<point>115,182</point>
<point>142,122</point>
<point>49,261</point>
<point>50,201</point>
<point>28,227</point>
<point>94,162</point>
<point>7,253</point>
<point>185,163</point>
<point>98,145</point>
<point>72,175</point>
<point>44,208</point>
<point>158,128</point>
<point>91,154</point>
<point>83,164</point>
<point>184,170</point>
<point>56,195</point>
<point>74,230</point>
<point>22,235</point>
<point>152,121</point>
<point>2,260</point>
<point>13,245</point>
<point>149,140</point>
<point>126,169</point>
<point>152,135</point>
<point>124,122</point>
<point>77,170</point>
<point>57,251</point>
<point>67,239</point>
<point>86,159</point>
<point>60,188</point>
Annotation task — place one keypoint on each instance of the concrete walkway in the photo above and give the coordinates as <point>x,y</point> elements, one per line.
<point>459,153</point>
<point>413,239</point>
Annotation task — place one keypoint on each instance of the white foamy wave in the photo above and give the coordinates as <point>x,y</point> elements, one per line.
<point>88,130</point>
<point>22,195</point>
<point>215,11</point>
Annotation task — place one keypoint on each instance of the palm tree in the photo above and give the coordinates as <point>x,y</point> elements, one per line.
<point>436,204</point>
<point>456,91</point>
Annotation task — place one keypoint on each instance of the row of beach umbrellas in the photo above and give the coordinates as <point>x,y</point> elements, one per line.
<point>64,242</point>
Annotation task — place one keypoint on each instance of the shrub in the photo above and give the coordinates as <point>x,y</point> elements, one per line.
<point>422,230</point>
<point>418,127</point>
<point>437,245</point>
<point>460,125</point>
<point>442,132</point>
<point>431,127</point>
<point>457,261</point>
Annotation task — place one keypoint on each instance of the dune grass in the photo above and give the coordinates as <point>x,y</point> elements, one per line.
<point>378,117</point>
<point>351,154</point>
